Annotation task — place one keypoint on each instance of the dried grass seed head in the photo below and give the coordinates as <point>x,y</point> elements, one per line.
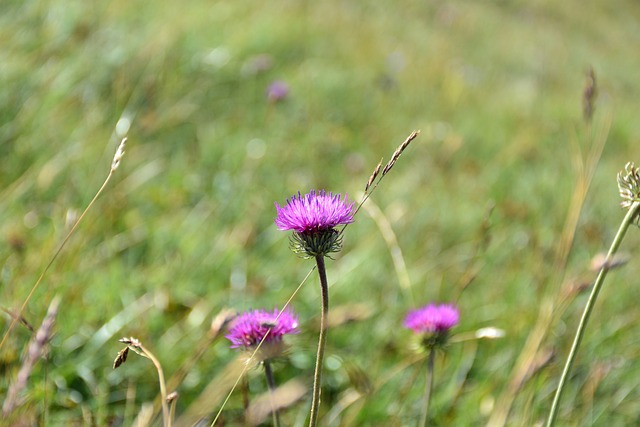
<point>399,151</point>
<point>119,154</point>
<point>373,176</point>
<point>121,357</point>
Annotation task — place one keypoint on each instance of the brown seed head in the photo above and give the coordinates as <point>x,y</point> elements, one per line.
<point>373,176</point>
<point>398,152</point>
<point>121,357</point>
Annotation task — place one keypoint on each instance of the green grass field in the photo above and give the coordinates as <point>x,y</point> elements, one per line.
<point>499,205</point>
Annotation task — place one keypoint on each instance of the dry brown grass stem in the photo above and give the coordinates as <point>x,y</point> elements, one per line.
<point>145,416</point>
<point>172,399</point>
<point>36,349</point>
<point>114,165</point>
<point>136,346</point>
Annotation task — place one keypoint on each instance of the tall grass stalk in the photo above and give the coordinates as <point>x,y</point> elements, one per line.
<point>114,165</point>
<point>629,218</point>
<point>172,399</point>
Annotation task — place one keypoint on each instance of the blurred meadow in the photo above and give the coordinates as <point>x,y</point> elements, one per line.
<point>499,205</point>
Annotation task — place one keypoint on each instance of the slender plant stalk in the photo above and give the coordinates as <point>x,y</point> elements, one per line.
<point>271,383</point>
<point>322,340</point>
<point>632,214</point>
<point>136,346</point>
<point>172,409</point>
<point>428,387</point>
<point>172,399</point>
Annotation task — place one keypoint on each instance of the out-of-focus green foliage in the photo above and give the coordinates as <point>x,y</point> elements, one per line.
<point>185,228</point>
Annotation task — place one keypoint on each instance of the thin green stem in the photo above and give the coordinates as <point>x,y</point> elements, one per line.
<point>428,387</point>
<point>271,383</point>
<point>317,376</point>
<point>632,214</point>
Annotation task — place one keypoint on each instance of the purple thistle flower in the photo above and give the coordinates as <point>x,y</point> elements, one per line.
<point>313,218</point>
<point>432,318</point>
<point>248,329</point>
<point>314,211</point>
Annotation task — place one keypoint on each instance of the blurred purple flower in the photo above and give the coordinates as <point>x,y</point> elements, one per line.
<point>432,318</point>
<point>248,329</point>
<point>314,211</point>
<point>277,91</point>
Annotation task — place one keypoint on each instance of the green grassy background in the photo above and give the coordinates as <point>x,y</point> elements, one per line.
<point>185,228</point>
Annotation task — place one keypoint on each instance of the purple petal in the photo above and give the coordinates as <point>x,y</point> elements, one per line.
<point>432,318</point>
<point>314,211</point>
<point>248,329</point>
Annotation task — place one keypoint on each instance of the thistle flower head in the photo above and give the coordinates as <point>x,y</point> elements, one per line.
<point>629,185</point>
<point>433,322</point>
<point>248,329</point>
<point>313,218</point>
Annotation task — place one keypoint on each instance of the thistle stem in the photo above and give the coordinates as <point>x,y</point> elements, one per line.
<point>317,376</point>
<point>271,383</point>
<point>632,213</point>
<point>428,387</point>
